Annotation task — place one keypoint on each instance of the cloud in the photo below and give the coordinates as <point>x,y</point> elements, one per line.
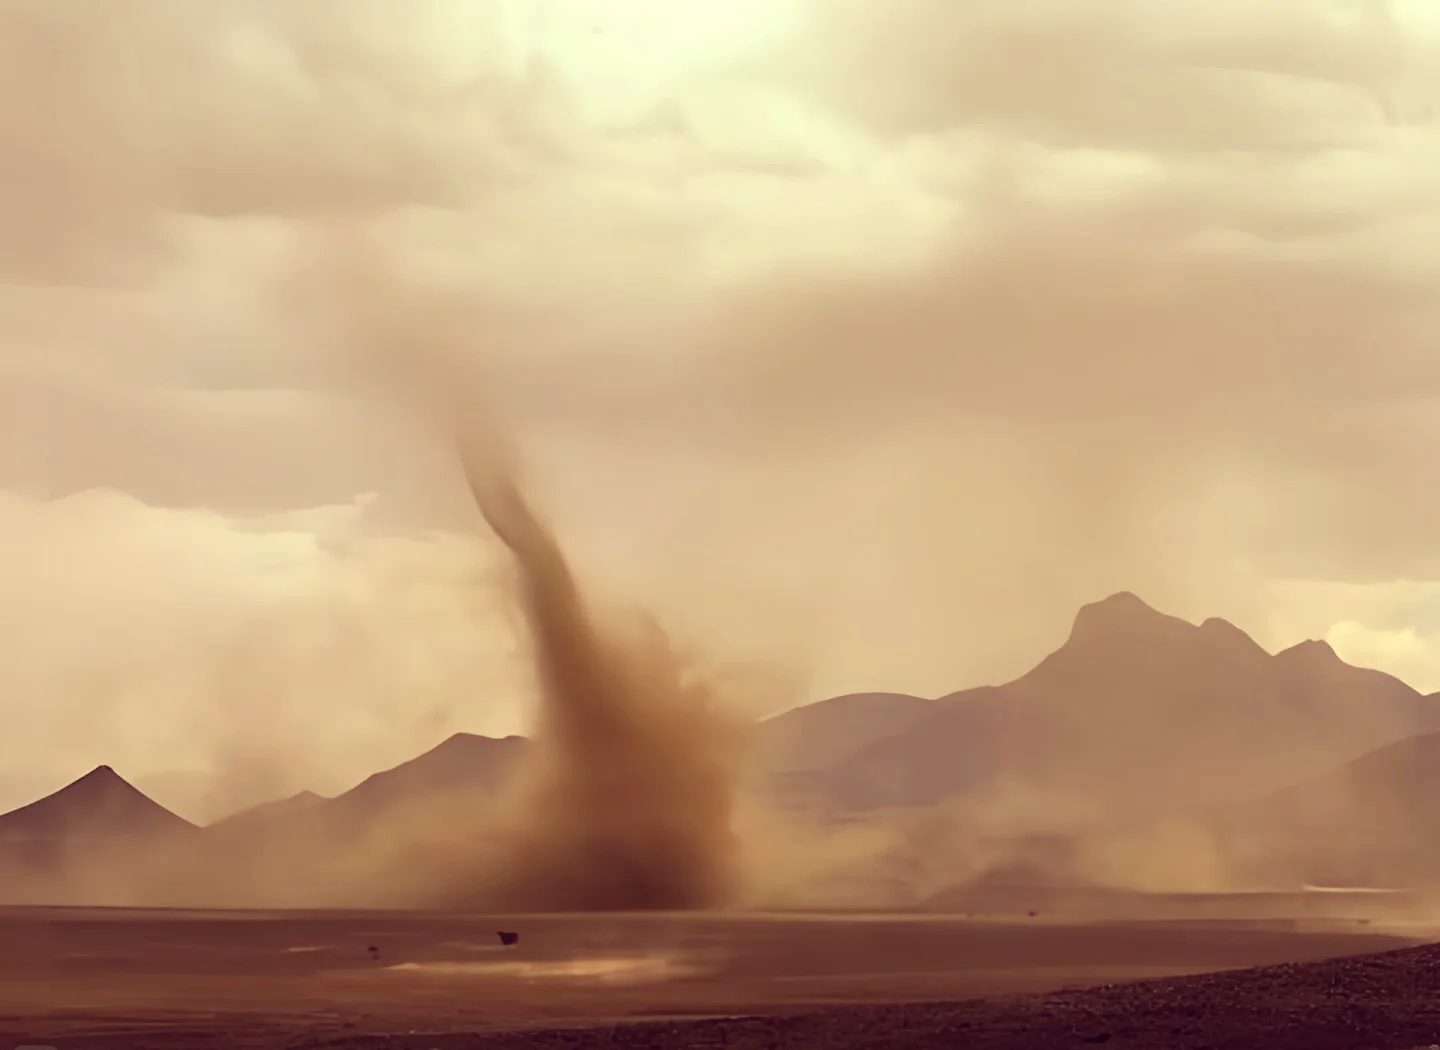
<point>274,653</point>
<point>1280,76</point>
<point>865,339</point>
<point>261,108</point>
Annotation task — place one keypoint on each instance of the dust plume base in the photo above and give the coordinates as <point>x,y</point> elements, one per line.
<point>627,801</point>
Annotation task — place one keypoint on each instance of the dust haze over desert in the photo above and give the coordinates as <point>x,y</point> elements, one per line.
<point>837,348</point>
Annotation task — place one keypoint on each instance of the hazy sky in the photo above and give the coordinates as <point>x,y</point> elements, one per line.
<point>860,340</point>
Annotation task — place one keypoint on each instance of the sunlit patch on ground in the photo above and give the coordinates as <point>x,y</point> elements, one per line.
<point>612,969</point>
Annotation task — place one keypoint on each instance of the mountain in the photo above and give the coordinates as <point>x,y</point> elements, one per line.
<point>268,813</point>
<point>96,841</point>
<point>100,805</point>
<point>464,762</point>
<point>819,735</point>
<point>463,767</point>
<point>1137,713</point>
<point>1373,822</point>
<point>389,841</point>
<point>796,748</point>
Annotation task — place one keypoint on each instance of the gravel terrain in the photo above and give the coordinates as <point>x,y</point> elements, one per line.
<point>1388,1001</point>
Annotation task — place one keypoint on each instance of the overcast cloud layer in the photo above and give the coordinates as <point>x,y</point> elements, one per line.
<point>863,340</point>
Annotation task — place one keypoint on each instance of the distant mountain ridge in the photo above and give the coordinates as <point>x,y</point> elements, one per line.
<point>1136,716</point>
<point>462,762</point>
<point>1139,710</point>
<point>1374,821</point>
<point>81,844</point>
<point>1134,702</point>
<point>816,736</point>
<point>266,812</point>
<point>99,805</point>
<point>464,766</point>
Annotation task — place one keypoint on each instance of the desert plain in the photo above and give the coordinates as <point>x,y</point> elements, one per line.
<point>185,980</point>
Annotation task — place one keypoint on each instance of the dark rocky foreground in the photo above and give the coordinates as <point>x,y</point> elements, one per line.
<point>1389,1001</point>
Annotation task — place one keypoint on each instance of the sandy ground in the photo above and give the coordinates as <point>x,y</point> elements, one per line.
<point>102,978</point>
